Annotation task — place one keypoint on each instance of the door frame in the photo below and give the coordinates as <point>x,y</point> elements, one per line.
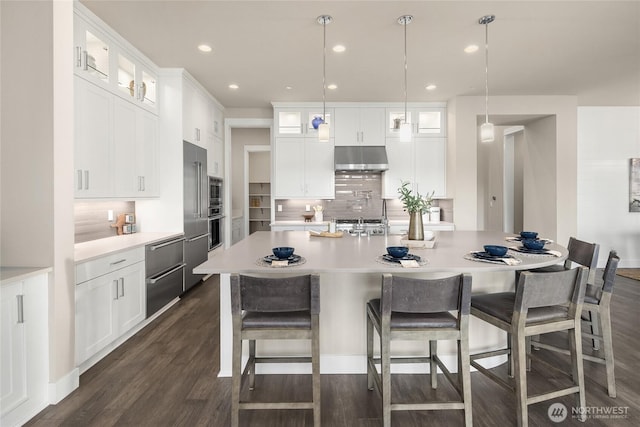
<point>229,124</point>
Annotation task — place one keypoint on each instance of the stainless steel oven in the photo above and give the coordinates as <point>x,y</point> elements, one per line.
<point>216,213</point>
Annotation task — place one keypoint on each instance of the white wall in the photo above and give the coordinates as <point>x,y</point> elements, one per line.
<point>607,138</point>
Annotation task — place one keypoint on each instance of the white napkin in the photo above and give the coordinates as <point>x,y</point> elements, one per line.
<point>409,263</point>
<point>283,263</point>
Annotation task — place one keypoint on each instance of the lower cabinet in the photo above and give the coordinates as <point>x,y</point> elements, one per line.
<point>24,346</point>
<point>107,306</point>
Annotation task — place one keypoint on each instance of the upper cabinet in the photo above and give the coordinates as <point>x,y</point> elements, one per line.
<point>295,122</point>
<point>427,121</point>
<point>104,58</point>
<point>359,125</point>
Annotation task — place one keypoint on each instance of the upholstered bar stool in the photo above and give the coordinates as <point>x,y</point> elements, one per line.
<point>596,311</point>
<point>543,303</point>
<point>274,308</point>
<point>419,309</point>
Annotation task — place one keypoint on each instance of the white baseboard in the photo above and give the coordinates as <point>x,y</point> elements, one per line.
<point>64,386</point>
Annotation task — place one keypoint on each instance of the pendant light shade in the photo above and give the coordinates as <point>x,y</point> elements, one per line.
<point>487,133</point>
<point>323,128</point>
<point>405,127</point>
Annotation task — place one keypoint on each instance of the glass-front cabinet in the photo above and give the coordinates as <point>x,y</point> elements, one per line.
<point>426,121</point>
<point>296,122</point>
<point>92,53</point>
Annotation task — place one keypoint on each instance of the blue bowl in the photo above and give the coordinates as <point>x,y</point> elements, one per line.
<point>397,251</point>
<point>528,234</point>
<point>495,250</point>
<point>534,244</point>
<point>283,252</point>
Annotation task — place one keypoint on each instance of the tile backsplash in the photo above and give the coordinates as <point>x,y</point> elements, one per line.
<point>91,220</point>
<point>357,195</point>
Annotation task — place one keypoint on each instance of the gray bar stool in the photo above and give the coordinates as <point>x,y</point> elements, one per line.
<point>543,303</point>
<point>418,309</point>
<point>597,313</point>
<point>274,308</point>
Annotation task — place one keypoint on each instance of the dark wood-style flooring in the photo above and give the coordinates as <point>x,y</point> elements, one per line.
<point>166,375</point>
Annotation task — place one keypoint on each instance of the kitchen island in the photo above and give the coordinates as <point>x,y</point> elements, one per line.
<point>350,274</point>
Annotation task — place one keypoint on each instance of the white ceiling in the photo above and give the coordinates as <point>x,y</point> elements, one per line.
<point>587,49</point>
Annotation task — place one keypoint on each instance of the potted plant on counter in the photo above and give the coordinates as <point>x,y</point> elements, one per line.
<point>416,205</point>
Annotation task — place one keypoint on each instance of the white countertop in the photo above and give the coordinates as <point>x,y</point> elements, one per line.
<point>15,274</point>
<point>96,248</point>
<point>358,254</point>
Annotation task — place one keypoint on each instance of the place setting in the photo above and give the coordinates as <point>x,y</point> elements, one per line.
<point>495,254</point>
<point>399,256</point>
<point>282,256</point>
<point>532,245</point>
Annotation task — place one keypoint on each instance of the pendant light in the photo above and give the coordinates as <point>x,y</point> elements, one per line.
<point>405,127</point>
<point>323,128</point>
<point>487,133</point>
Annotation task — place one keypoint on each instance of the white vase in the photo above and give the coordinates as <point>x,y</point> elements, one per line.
<point>319,216</point>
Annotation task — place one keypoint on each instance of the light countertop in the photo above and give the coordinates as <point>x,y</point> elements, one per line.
<point>15,274</point>
<point>359,254</point>
<point>96,248</point>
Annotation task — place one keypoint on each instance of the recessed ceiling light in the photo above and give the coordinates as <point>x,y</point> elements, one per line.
<point>288,87</point>
<point>471,48</point>
<point>431,87</point>
<point>339,48</point>
<point>233,86</point>
<point>332,86</point>
<point>204,48</point>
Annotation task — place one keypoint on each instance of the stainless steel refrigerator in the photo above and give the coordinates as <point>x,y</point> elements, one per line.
<point>196,204</point>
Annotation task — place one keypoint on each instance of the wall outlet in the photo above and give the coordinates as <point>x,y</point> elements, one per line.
<point>110,214</point>
<point>279,208</point>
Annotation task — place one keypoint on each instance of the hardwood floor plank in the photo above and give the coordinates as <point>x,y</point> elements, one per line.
<point>166,375</point>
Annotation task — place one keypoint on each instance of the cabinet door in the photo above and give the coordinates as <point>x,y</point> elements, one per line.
<point>347,126</point>
<point>430,122</point>
<point>400,156</point>
<point>430,165</point>
<point>131,296</point>
<point>13,373</point>
<point>125,150</point>
<point>289,168</point>
<point>96,325</point>
<point>215,158</point>
<point>319,170</point>
<point>92,53</point>
<point>93,133</point>
<point>372,121</point>
<point>146,148</point>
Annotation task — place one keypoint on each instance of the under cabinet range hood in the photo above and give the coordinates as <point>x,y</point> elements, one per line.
<point>361,158</point>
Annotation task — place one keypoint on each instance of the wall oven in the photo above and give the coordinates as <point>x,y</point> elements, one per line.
<point>216,213</point>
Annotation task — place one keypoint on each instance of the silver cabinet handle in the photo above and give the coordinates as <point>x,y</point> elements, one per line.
<point>197,238</point>
<point>86,62</point>
<point>115,282</point>
<point>122,286</point>
<point>86,180</point>
<point>79,179</point>
<point>162,245</point>
<point>199,189</point>
<point>120,261</point>
<point>78,56</point>
<point>144,186</point>
<point>162,276</point>
<point>20,301</point>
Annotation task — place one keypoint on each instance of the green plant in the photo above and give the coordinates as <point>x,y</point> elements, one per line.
<point>414,203</point>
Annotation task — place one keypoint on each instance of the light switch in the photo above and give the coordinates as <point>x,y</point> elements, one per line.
<point>110,214</point>
<point>307,208</point>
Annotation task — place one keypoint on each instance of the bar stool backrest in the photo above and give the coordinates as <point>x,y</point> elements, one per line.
<point>551,289</point>
<point>407,295</point>
<point>610,272</point>
<point>583,253</point>
<point>261,294</point>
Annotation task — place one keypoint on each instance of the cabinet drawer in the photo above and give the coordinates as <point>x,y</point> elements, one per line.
<point>108,263</point>
<point>162,256</point>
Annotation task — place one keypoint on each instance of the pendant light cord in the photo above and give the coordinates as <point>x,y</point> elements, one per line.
<point>486,72</point>
<point>405,69</point>
<point>324,68</point>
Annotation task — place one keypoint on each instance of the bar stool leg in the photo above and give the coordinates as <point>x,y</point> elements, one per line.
<point>385,353</point>
<point>370,373</point>
<point>236,378</point>
<point>252,364</point>
<point>520,373</point>
<point>605,321</point>
<point>577,368</point>
<point>315,368</point>
<point>464,372</point>
<point>510,355</point>
<point>595,328</point>
<point>433,352</point>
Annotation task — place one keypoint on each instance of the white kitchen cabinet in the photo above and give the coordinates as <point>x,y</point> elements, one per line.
<point>196,125</point>
<point>421,161</point>
<point>93,135</point>
<point>297,121</point>
<point>24,343</point>
<point>110,300</point>
<point>92,55</point>
<point>427,121</point>
<point>359,125</point>
<point>304,169</point>
<point>215,158</point>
